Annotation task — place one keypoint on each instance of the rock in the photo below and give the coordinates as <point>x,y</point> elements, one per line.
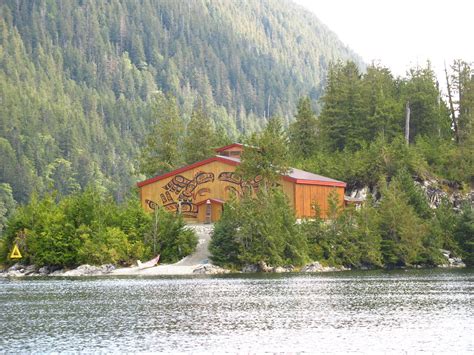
<point>263,267</point>
<point>44,270</point>
<point>250,268</point>
<point>287,268</point>
<point>31,269</point>
<point>87,270</point>
<point>451,260</point>
<point>435,192</point>
<point>83,270</point>
<point>313,267</point>
<point>16,267</point>
<point>209,269</point>
<point>107,268</point>
<point>317,267</point>
<point>19,270</point>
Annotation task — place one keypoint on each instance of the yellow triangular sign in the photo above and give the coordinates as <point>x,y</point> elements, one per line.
<point>15,254</point>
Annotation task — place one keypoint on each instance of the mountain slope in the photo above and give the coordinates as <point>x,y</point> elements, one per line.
<point>77,77</point>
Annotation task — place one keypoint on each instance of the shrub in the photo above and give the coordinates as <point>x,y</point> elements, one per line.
<point>89,227</point>
<point>259,227</point>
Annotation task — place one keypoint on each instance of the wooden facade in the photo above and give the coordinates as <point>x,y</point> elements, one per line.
<point>199,191</point>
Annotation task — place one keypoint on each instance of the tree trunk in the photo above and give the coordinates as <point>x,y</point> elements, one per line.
<point>451,106</point>
<point>407,123</point>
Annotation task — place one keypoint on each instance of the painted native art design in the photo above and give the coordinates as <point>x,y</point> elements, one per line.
<point>236,179</point>
<point>187,208</point>
<point>184,189</point>
<point>180,192</point>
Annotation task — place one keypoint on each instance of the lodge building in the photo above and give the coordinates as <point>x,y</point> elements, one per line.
<point>200,190</point>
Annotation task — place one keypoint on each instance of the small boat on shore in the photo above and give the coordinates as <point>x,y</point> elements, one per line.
<point>149,263</point>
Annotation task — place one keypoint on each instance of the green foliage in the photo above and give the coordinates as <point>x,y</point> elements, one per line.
<point>266,155</point>
<point>224,246</point>
<point>163,148</point>
<point>200,137</point>
<point>429,116</point>
<point>349,237</point>
<point>357,107</point>
<point>170,238</point>
<point>258,228</point>
<point>343,109</point>
<point>367,165</point>
<point>89,227</point>
<point>462,79</point>
<point>464,233</point>
<point>304,131</point>
<point>7,205</point>
<point>403,231</point>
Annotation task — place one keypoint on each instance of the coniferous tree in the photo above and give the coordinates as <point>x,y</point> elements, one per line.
<point>428,115</point>
<point>163,150</point>
<point>304,131</point>
<point>343,113</point>
<point>266,155</point>
<point>200,137</point>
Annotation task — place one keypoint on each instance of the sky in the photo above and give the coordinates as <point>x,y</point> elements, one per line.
<point>401,34</point>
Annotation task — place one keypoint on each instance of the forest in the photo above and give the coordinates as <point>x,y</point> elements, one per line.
<point>93,101</point>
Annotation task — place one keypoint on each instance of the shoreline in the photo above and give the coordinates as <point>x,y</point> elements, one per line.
<point>20,271</point>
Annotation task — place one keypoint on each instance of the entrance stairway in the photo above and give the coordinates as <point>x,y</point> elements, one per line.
<point>201,255</point>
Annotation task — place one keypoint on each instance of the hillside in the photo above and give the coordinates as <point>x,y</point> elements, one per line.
<point>77,79</point>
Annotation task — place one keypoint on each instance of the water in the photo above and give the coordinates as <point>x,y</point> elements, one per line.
<point>351,312</point>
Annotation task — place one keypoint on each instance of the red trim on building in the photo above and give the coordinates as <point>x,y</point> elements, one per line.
<point>221,149</point>
<point>234,162</point>
<point>186,168</point>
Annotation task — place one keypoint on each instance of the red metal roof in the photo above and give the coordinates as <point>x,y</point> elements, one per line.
<point>226,160</point>
<point>295,175</point>
<point>304,177</point>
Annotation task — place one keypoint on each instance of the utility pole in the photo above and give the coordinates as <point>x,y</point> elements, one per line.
<point>407,123</point>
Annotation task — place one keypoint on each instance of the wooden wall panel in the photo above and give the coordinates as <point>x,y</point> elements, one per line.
<point>167,192</point>
<point>307,195</point>
<point>289,190</point>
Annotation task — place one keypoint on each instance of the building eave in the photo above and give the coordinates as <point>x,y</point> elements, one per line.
<point>186,168</point>
<point>235,162</point>
<point>315,182</point>
<point>233,145</point>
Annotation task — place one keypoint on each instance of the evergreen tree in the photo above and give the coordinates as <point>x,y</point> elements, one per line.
<point>428,114</point>
<point>7,205</point>
<point>381,99</point>
<point>163,150</point>
<point>304,131</point>
<point>200,137</point>
<point>464,233</point>
<point>462,79</point>
<point>401,229</point>
<point>266,155</point>
<point>343,114</point>
<point>258,228</point>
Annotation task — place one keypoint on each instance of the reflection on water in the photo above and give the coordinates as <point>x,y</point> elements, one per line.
<point>411,311</point>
